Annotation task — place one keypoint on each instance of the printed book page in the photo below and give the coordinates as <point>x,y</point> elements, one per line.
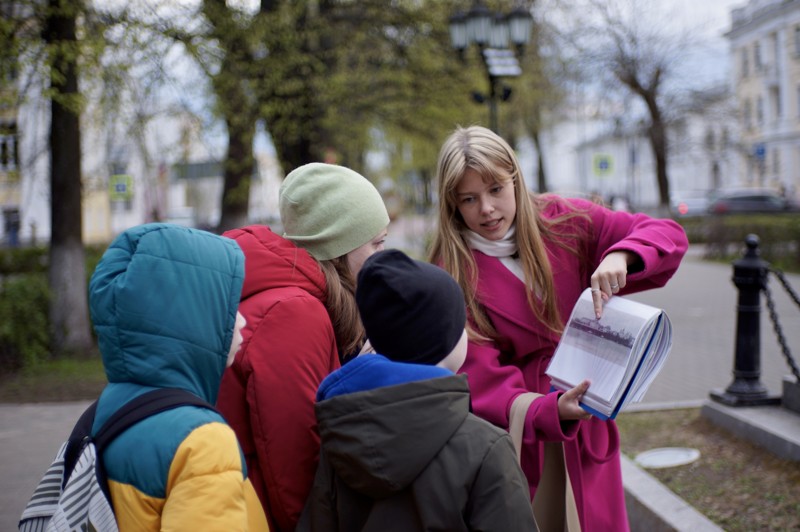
<point>621,353</point>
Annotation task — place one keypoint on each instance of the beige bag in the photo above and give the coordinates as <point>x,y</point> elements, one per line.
<point>554,504</point>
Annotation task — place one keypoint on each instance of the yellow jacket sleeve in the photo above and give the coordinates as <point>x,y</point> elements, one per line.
<point>206,489</point>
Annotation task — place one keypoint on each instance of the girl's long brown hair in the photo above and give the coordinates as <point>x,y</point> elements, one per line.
<point>341,305</point>
<point>490,156</point>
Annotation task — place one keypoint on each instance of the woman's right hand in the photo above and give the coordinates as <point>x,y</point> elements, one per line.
<point>569,407</point>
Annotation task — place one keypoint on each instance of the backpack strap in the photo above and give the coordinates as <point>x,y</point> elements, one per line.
<point>56,498</point>
<point>142,407</point>
<point>135,410</point>
<point>80,433</point>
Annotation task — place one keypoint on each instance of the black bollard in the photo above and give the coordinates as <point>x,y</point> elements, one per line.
<point>749,276</point>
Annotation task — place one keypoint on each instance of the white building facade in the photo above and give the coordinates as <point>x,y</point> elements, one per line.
<point>765,43</point>
<point>608,155</point>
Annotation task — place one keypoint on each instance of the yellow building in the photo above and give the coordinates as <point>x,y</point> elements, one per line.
<point>9,162</point>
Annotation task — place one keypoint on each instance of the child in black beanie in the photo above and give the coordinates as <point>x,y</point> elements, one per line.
<point>400,449</point>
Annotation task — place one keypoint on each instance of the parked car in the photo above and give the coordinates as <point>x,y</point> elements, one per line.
<point>690,204</point>
<point>751,201</point>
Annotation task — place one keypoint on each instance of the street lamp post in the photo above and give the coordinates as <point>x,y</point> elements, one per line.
<point>492,33</point>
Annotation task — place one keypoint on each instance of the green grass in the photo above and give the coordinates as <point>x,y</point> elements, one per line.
<point>54,381</point>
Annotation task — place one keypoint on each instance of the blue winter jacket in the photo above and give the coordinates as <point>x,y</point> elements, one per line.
<point>163,300</point>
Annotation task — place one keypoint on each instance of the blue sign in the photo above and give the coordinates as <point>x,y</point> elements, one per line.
<point>120,187</point>
<point>603,164</point>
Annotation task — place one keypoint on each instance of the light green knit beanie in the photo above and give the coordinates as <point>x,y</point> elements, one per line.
<point>330,210</point>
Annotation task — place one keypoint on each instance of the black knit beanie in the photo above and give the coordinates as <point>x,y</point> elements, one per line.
<point>412,311</point>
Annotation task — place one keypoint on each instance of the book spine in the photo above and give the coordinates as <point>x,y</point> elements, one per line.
<point>598,414</point>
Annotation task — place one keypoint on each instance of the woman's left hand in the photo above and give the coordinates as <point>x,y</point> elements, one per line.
<point>569,403</point>
<point>610,277</point>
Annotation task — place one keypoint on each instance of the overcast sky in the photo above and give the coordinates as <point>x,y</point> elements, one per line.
<point>716,13</point>
<point>712,19</point>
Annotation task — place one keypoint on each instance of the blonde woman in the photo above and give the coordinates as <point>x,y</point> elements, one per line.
<point>302,322</point>
<point>522,261</point>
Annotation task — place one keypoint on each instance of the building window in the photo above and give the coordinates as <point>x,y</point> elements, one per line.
<point>757,64</point>
<point>774,52</point>
<point>709,140</point>
<point>745,63</point>
<point>776,162</point>
<point>748,112</point>
<point>798,101</point>
<point>775,96</point>
<point>9,148</point>
<point>797,41</point>
<point>760,110</point>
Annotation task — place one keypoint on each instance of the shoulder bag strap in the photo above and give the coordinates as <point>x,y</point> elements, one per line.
<point>516,418</point>
<point>552,511</point>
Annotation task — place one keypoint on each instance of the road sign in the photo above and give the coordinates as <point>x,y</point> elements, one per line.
<point>603,164</point>
<point>120,187</point>
<point>760,151</point>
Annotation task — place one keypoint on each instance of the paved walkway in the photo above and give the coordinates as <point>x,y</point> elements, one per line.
<point>701,303</point>
<point>700,300</point>
<point>29,439</point>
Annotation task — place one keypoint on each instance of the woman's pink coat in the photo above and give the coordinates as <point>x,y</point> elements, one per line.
<point>516,363</point>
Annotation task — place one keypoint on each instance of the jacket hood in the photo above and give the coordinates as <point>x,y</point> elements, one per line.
<point>275,262</point>
<point>378,440</point>
<point>163,301</point>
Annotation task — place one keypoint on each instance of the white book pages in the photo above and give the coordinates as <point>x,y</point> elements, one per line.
<point>621,353</point>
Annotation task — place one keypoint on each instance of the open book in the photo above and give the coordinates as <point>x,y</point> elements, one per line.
<point>621,353</point>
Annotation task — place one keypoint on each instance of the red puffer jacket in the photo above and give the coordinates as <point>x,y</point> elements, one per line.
<point>289,347</point>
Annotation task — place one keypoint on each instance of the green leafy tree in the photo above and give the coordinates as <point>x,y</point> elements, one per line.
<point>321,75</point>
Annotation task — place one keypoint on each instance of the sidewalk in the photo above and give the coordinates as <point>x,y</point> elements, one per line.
<point>701,302</point>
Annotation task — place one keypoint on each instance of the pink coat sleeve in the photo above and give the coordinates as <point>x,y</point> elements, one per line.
<point>660,243</point>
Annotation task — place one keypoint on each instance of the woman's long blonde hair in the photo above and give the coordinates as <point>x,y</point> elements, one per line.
<point>340,303</point>
<point>493,159</point>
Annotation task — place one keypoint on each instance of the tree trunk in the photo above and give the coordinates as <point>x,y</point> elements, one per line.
<point>69,314</point>
<point>541,177</point>
<point>293,154</point>
<point>658,141</point>
<point>239,109</point>
<point>239,167</point>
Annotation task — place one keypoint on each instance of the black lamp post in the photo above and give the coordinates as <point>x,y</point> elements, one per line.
<point>492,33</point>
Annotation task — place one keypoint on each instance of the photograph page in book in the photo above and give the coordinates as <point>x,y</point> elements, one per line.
<point>620,354</point>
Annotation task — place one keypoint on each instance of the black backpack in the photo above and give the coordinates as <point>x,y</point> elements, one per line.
<point>73,494</point>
